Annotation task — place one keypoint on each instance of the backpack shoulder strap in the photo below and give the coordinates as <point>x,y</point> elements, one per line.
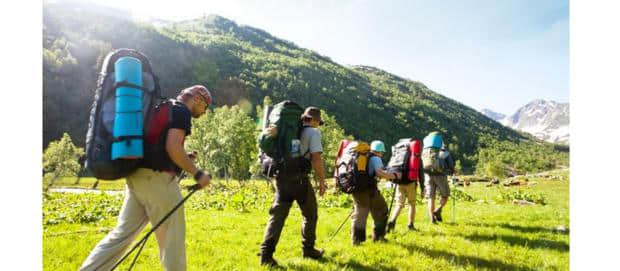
<point>370,155</point>
<point>303,127</point>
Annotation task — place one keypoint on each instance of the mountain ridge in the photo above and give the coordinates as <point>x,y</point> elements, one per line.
<point>545,119</point>
<point>242,63</point>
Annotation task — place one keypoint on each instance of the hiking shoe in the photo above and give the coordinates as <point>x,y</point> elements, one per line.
<point>313,253</point>
<point>390,226</point>
<point>411,227</point>
<point>378,236</point>
<point>437,215</point>
<point>358,236</point>
<point>268,260</point>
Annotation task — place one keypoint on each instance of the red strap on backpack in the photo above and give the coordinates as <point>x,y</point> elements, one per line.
<point>158,122</point>
<point>343,145</point>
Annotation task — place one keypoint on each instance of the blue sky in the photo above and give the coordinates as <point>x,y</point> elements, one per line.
<point>486,54</point>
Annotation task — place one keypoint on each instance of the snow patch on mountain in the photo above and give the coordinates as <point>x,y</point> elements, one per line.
<point>546,120</point>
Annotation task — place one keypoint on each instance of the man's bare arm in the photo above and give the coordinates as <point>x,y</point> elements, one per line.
<point>317,164</point>
<point>387,175</point>
<point>176,151</point>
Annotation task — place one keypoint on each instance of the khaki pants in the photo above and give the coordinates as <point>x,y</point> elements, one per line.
<point>434,182</point>
<point>149,196</point>
<point>405,192</point>
<point>369,201</point>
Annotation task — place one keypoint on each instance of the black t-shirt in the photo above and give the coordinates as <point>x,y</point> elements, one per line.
<point>157,157</point>
<point>181,118</point>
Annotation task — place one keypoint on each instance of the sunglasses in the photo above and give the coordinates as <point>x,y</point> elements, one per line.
<point>203,99</point>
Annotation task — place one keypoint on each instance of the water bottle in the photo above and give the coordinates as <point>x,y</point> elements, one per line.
<point>295,143</point>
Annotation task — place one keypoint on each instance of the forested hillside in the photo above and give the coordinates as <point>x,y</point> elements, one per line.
<point>242,65</point>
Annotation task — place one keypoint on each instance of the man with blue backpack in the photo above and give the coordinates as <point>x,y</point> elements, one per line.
<point>292,144</point>
<point>152,190</point>
<point>438,164</point>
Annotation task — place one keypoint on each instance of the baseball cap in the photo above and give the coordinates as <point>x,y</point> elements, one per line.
<point>198,90</point>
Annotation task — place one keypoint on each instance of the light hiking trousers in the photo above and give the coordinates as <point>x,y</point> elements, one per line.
<point>149,196</point>
<point>405,192</point>
<point>434,182</point>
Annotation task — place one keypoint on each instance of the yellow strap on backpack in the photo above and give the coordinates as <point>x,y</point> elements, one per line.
<point>362,149</point>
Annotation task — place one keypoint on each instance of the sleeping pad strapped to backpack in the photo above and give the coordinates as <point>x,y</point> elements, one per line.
<point>116,117</point>
<point>281,154</point>
<point>351,173</point>
<point>406,160</point>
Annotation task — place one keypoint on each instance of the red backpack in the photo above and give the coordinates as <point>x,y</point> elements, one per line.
<point>155,155</point>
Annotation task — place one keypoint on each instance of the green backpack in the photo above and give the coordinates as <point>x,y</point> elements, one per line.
<point>430,160</point>
<point>281,154</point>
<point>437,161</point>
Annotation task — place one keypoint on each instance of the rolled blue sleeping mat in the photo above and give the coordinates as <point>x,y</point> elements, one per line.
<point>128,115</point>
<point>433,141</point>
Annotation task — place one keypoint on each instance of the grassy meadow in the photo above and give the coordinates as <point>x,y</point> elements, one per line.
<point>225,225</point>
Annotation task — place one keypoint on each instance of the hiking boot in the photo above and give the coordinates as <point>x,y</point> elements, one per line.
<point>411,227</point>
<point>437,215</point>
<point>390,226</point>
<point>358,236</point>
<point>313,253</point>
<point>378,235</point>
<point>267,259</point>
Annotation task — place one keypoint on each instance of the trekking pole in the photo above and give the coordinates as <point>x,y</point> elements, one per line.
<point>392,202</point>
<point>142,242</point>
<point>454,180</point>
<point>338,230</point>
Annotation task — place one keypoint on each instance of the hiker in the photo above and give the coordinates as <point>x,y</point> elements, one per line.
<point>438,164</point>
<point>293,185</point>
<point>406,190</point>
<point>151,191</point>
<point>371,200</point>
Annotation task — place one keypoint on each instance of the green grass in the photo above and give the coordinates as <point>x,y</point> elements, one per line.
<point>86,182</point>
<point>225,227</point>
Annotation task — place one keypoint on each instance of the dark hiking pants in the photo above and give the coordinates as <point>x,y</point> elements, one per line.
<point>369,201</point>
<point>289,189</point>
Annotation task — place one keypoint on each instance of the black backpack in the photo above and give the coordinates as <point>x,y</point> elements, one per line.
<point>352,167</point>
<point>99,137</point>
<point>406,160</point>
